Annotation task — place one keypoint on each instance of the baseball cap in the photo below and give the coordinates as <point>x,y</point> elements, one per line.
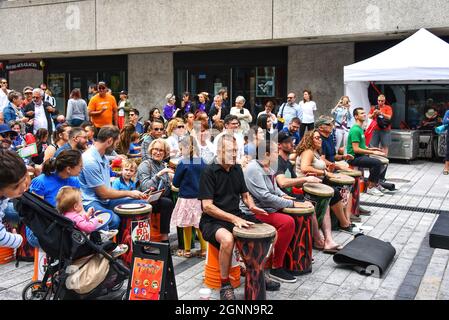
<point>323,120</point>
<point>102,84</point>
<point>284,137</point>
<point>4,128</point>
<point>28,89</point>
<point>124,92</point>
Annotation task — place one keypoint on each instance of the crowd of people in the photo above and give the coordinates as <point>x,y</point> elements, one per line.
<point>232,168</point>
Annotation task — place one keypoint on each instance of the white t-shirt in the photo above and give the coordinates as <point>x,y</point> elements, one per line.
<point>40,120</point>
<point>307,111</point>
<point>3,100</point>
<point>121,109</point>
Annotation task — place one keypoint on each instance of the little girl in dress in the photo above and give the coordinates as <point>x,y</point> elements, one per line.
<point>187,212</point>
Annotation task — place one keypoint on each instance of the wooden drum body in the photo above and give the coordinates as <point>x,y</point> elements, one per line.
<point>343,183</point>
<point>320,195</point>
<point>255,244</point>
<point>384,160</point>
<point>357,175</point>
<point>134,226</point>
<point>299,253</point>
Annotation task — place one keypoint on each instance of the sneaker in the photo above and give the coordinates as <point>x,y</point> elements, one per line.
<point>381,189</point>
<point>364,212</point>
<point>355,218</point>
<point>374,192</point>
<point>281,275</point>
<point>119,250</point>
<point>351,229</point>
<point>227,292</point>
<point>271,285</point>
<point>108,235</point>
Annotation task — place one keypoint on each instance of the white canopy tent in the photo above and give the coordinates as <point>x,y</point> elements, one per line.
<point>421,57</point>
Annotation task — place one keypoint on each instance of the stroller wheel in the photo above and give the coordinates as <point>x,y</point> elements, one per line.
<point>35,291</point>
<point>118,286</point>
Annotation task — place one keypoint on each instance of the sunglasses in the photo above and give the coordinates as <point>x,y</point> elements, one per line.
<point>290,97</point>
<point>4,82</point>
<point>380,100</point>
<point>181,127</point>
<point>158,129</point>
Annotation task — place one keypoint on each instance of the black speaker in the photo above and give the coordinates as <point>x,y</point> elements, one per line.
<point>439,235</point>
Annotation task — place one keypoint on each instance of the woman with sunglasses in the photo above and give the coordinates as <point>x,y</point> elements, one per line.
<point>154,175</point>
<point>175,131</point>
<point>309,161</point>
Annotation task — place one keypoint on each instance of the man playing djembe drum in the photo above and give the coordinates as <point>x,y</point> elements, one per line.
<point>357,148</point>
<point>221,185</point>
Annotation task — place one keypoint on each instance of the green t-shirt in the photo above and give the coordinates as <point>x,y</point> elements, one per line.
<point>356,134</point>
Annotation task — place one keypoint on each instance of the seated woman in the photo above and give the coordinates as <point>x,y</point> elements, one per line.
<point>309,162</point>
<point>261,184</point>
<point>125,139</point>
<point>57,173</point>
<point>153,174</point>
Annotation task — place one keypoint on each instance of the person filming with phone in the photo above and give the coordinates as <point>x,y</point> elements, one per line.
<point>383,114</point>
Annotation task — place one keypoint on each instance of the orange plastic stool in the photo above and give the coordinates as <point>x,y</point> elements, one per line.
<point>6,255</point>
<point>212,277</point>
<point>155,223</point>
<point>40,262</point>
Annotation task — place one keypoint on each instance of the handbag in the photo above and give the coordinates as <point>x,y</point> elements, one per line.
<point>382,122</point>
<point>87,273</point>
<point>281,120</point>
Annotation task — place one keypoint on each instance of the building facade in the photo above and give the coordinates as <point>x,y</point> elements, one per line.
<point>261,49</point>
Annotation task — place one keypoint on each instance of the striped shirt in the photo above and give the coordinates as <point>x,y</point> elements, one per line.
<point>7,239</point>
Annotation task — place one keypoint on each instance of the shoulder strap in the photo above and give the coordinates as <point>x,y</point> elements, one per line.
<point>283,107</point>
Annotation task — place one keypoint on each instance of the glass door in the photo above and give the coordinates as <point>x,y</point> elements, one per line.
<point>56,82</point>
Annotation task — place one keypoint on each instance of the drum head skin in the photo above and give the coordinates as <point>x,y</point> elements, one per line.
<point>105,217</point>
<point>255,231</point>
<point>342,179</point>
<point>133,208</point>
<point>318,189</point>
<point>382,159</point>
<point>299,211</point>
<point>351,173</point>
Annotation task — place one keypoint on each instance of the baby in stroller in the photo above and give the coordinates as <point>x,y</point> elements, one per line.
<point>70,204</point>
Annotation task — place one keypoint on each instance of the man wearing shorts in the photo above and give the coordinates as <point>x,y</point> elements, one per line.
<point>381,136</point>
<point>221,185</point>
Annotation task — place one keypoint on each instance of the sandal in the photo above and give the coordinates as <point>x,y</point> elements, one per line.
<point>180,253</point>
<point>445,172</point>
<point>333,250</point>
<point>187,254</point>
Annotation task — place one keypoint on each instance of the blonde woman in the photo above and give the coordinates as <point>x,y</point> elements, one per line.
<point>154,175</point>
<point>343,117</point>
<point>175,131</point>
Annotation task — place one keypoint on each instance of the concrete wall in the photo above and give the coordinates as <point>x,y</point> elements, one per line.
<point>320,69</point>
<point>150,78</point>
<point>88,27</point>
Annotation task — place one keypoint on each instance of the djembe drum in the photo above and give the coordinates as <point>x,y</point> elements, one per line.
<point>320,195</point>
<point>255,244</point>
<point>382,159</point>
<point>343,183</point>
<point>134,226</point>
<point>355,203</point>
<point>298,257</point>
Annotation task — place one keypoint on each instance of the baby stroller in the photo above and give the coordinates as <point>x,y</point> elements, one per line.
<point>64,244</point>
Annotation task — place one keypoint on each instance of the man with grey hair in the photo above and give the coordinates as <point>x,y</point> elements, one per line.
<point>242,114</point>
<point>289,110</point>
<point>41,112</point>
<point>218,111</point>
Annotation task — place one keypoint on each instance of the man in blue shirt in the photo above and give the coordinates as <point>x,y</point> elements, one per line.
<point>77,141</point>
<point>95,178</point>
<point>134,120</point>
<point>289,110</point>
<point>293,130</point>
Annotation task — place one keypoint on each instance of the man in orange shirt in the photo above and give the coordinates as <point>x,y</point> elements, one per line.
<point>103,108</point>
<point>382,131</point>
